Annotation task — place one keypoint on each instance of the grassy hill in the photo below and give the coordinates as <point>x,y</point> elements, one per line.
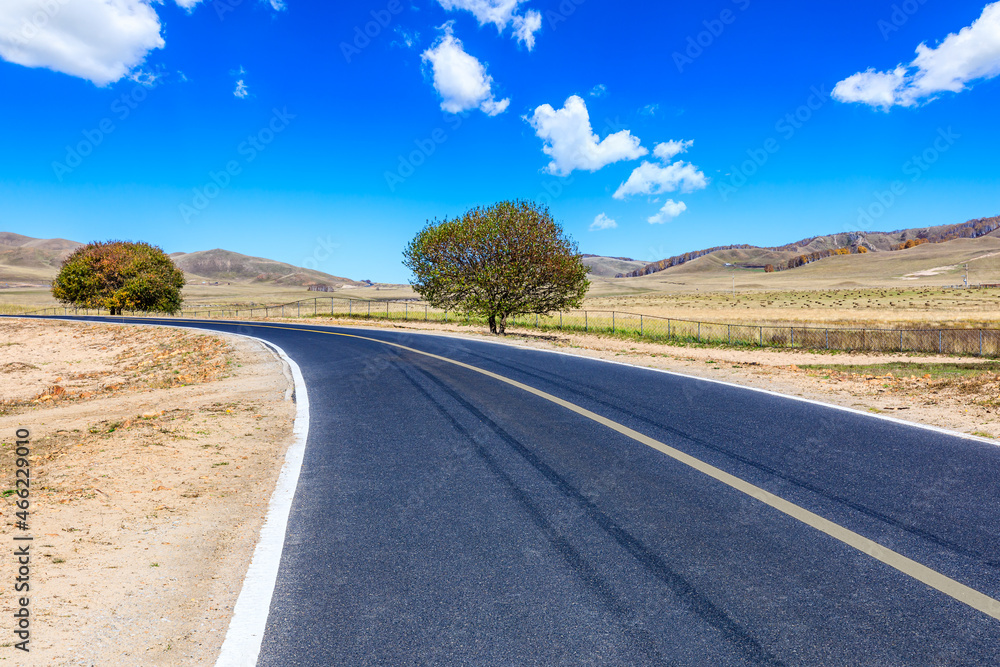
<point>24,259</point>
<point>226,266</point>
<point>609,267</point>
<point>12,240</point>
<point>928,265</point>
<point>820,248</point>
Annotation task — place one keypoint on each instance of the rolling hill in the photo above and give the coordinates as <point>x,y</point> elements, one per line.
<point>609,267</point>
<point>24,259</point>
<point>816,248</point>
<point>226,266</point>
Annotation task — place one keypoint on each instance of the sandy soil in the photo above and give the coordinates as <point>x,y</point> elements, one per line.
<point>969,405</point>
<point>153,456</point>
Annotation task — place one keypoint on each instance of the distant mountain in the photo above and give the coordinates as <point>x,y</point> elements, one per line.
<point>816,248</point>
<point>227,266</point>
<point>609,267</point>
<point>12,240</point>
<point>30,260</point>
<point>24,259</point>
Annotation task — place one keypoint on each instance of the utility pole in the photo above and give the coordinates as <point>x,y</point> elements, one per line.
<point>966,276</point>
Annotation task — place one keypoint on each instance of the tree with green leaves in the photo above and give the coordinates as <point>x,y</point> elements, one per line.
<point>500,261</point>
<point>120,275</point>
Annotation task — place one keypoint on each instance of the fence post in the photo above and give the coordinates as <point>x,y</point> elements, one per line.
<point>980,342</point>
<point>640,325</point>
<point>560,320</point>
<point>298,309</point>
<point>425,312</point>
<point>828,339</point>
<point>762,336</point>
<point>612,321</point>
<point>586,323</point>
<point>536,320</point>
<point>940,342</point>
<point>900,340</point>
<point>699,332</point>
<point>668,327</point>
<point>315,307</point>
<point>792,329</point>
<point>386,310</point>
<point>729,335</point>
<point>406,310</point>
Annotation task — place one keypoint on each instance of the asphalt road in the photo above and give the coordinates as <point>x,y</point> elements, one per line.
<point>446,517</point>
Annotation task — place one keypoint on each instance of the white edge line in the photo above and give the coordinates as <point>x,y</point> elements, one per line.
<point>241,647</point>
<point>246,628</point>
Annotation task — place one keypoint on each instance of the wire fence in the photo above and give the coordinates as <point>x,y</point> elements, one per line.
<point>977,342</point>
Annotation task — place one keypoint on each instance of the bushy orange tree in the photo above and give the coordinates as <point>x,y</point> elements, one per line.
<point>508,259</point>
<point>120,275</point>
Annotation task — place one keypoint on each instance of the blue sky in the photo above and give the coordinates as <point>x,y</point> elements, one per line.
<point>272,129</point>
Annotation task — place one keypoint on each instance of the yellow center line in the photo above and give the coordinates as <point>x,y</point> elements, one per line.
<point>907,566</point>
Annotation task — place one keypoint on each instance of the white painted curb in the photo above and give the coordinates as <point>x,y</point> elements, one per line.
<point>241,647</point>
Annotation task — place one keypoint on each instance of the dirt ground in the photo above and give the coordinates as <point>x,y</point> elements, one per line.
<point>153,456</point>
<point>967,404</point>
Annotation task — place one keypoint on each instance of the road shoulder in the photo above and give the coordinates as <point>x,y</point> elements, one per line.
<point>149,492</point>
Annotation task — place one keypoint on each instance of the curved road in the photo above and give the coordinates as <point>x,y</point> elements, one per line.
<point>528,508</point>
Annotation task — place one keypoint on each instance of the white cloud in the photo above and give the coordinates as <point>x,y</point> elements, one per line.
<point>671,209</point>
<point>961,58</point>
<point>602,221</point>
<point>526,26</point>
<point>498,12</point>
<point>241,90</point>
<point>653,179</point>
<point>407,38</point>
<point>501,13</point>
<point>669,149</point>
<point>600,90</point>
<point>187,4</point>
<point>877,89</point>
<point>571,143</point>
<point>97,40</point>
<point>460,79</point>
<point>276,5</point>
<point>649,110</point>
<point>144,78</point>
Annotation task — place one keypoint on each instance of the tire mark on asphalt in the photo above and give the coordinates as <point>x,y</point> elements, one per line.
<point>900,524</point>
<point>645,556</point>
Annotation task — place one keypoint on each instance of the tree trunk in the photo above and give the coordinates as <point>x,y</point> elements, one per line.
<point>503,325</point>
<point>493,324</point>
